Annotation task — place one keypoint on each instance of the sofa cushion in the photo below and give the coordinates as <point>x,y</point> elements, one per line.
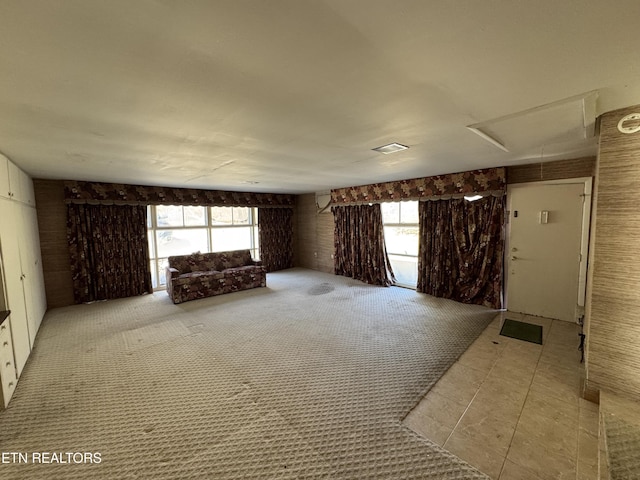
<point>240,270</point>
<point>180,263</point>
<point>195,277</point>
<point>206,262</point>
<point>239,258</point>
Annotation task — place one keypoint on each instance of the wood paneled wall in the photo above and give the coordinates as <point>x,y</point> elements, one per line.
<point>52,223</point>
<point>613,303</point>
<point>314,235</point>
<point>558,170</point>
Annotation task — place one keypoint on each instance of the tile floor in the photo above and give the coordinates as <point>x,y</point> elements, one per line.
<point>512,408</point>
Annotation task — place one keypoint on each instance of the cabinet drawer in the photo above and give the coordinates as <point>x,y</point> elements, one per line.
<point>6,348</point>
<point>5,337</point>
<point>6,357</point>
<point>7,366</point>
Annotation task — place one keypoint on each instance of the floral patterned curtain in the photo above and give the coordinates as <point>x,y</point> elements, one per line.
<point>461,250</point>
<point>451,185</point>
<point>360,250</point>
<point>275,227</point>
<point>76,191</point>
<point>109,251</point>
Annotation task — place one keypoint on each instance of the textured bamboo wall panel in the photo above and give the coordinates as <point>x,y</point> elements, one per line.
<point>314,235</point>
<point>613,342</point>
<point>306,231</point>
<point>294,221</point>
<point>324,236</point>
<point>558,170</point>
<point>52,223</point>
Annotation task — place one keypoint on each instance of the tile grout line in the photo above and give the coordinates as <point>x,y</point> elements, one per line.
<point>469,404</point>
<point>522,409</point>
<point>473,398</point>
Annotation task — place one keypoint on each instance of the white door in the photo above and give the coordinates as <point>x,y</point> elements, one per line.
<point>543,257</point>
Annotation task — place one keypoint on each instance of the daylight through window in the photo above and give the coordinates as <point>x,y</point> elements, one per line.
<point>400,221</point>
<point>181,230</point>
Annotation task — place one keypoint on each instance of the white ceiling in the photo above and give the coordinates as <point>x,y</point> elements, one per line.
<point>293,95</point>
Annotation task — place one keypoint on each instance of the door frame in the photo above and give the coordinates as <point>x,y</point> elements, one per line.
<point>587,194</point>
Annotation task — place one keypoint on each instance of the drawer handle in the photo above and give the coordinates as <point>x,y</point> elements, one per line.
<point>5,344</point>
<point>8,364</point>
<point>3,327</point>
<point>10,384</point>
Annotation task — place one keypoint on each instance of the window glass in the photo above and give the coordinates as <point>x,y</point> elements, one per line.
<point>152,244</point>
<point>233,238</point>
<point>221,216</point>
<point>256,244</point>
<point>400,221</point>
<point>162,270</point>
<point>181,241</point>
<point>390,212</point>
<point>195,216</point>
<point>169,216</point>
<point>154,275</point>
<point>401,240</point>
<point>178,230</point>
<point>409,212</point>
<point>405,269</point>
<point>241,215</point>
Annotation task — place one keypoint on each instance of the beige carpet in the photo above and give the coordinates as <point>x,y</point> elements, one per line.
<point>307,378</point>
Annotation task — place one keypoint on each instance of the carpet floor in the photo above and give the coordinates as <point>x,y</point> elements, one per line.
<point>307,378</point>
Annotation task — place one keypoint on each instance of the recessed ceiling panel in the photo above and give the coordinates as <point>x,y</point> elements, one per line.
<point>567,121</point>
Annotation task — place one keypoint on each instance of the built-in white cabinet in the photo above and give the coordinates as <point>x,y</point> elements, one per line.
<point>14,183</point>
<point>21,278</point>
<point>5,189</point>
<point>27,194</point>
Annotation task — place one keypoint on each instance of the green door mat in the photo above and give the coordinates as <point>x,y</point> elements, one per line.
<point>522,331</point>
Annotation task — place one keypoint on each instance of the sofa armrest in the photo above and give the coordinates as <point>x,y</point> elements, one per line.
<point>173,272</point>
<point>257,263</point>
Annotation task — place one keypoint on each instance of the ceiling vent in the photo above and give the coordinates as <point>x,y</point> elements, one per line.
<point>559,126</point>
<point>390,148</point>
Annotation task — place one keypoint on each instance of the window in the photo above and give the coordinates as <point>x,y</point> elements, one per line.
<point>180,230</point>
<point>400,221</point>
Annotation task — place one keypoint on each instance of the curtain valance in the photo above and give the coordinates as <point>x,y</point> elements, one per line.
<point>122,194</point>
<point>489,181</point>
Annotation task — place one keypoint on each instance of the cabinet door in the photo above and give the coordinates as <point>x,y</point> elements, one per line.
<point>30,260</point>
<point>15,183</point>
<point>4,177</point>
<point>26,189</point>
<point>10,250</point>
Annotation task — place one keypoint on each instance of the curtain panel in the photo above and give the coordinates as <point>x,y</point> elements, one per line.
<point>109,251</point>
<point>360,250</point>
<point>461,250</point>
<point>275,227</point>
